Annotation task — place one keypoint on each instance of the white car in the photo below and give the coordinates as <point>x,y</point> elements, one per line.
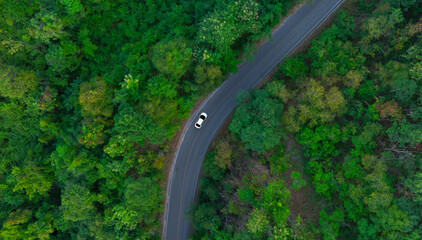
<point>201,119</point>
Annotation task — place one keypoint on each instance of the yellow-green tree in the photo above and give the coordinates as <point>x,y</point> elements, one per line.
<point>15,83</point>
<point>34,180</point>
<point>172,57</point>
<point>258,221</point>
<point>95,101</point>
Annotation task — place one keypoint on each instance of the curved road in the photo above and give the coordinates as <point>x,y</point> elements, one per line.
<point>195,143</point>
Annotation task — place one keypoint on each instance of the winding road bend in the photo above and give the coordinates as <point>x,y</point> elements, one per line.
<point>195,143</point>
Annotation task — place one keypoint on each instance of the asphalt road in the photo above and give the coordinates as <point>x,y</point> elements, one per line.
<point>220,104</point>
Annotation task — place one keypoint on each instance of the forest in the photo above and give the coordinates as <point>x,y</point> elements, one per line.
<point>93,92</point>
<point>331,146</point>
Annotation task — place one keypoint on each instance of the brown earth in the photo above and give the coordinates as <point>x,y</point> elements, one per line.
<point>304,201</point>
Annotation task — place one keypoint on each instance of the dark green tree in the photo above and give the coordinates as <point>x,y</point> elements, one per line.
<point>257,120</point>
<point>294,67</point>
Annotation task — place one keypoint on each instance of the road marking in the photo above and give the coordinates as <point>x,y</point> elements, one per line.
<point>221,102</point>
<point>177,154</point>
<point>183,186</point>
<point>241,81</point>
<point>263,76</point>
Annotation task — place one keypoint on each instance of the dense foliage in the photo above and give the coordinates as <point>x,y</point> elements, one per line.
<point>257,120</point>
<point>92,92</point>
<point>353,101</point>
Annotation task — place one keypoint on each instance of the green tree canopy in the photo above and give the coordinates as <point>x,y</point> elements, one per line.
<point>77,203</point>
<point>257,120</point>
<point>14,83</point>
<point>172,57</point>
